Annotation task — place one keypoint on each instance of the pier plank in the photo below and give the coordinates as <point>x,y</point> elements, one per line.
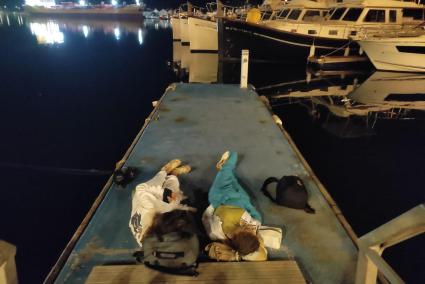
<point>209,272</point>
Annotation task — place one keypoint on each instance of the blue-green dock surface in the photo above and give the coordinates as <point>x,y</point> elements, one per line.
<point>197,123</point>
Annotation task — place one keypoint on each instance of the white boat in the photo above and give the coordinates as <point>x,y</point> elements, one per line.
<point>305,27</point>
<point>184,30</point>
<point>175,25</point>
<point>185,57</point>
<point>203,35</point>
<point>151,14</point>
<point>164,14</point>
<point>405,54</point>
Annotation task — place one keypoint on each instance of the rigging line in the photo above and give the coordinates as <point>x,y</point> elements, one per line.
<point>70,171</point>
<point>340,48</point>
<point>289,83</point>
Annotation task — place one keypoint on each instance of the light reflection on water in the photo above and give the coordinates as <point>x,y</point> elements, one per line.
<point>65,83</point>
<point>10,18</point>
<point>47,33</point>
<point>371,96</point>
<point>52,31</point>
<point>346,104</point>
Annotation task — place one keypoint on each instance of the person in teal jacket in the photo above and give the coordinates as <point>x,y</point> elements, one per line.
<point>226,189</point>
<point>231,217</point>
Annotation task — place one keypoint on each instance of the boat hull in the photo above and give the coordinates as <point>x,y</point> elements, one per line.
<point>398,54</point>
<point>130,13</point>
<point>184,31</point>
<point>175,24</point>
<point>203,35</point>
<point>270,44</point>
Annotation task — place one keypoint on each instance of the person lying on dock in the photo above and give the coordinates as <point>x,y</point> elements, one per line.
<point>231,217</point>
<point>159,195</point>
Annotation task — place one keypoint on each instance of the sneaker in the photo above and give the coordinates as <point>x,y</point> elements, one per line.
<point>181,170</point>
<point>171,165</point>
<point>223,160</point>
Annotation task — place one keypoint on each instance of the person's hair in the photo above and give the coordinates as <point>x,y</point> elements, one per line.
<point>245,242</point>
<point>178,221</point>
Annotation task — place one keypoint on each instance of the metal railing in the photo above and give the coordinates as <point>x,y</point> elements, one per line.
<point>371,245</point>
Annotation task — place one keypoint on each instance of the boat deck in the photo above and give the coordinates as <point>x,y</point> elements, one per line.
<point>197,123</point>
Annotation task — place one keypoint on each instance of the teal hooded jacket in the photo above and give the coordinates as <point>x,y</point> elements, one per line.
<point>226,189</point>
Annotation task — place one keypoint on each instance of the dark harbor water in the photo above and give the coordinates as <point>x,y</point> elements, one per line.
<point>74,94</point>
<point>73,97</point>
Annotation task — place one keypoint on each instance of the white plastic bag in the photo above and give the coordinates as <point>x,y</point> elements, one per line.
<point>272,236</point>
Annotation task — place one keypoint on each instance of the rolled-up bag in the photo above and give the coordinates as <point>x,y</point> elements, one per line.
<point>272,236</point>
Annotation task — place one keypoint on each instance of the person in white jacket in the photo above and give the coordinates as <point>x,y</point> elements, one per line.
<point>159,195</point>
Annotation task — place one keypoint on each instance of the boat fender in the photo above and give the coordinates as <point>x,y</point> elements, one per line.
<point>253,16</point>
<point>277,120</point>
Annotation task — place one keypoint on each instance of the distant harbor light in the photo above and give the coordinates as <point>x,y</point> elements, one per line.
<point>43,3</point>
<point>117,33</point>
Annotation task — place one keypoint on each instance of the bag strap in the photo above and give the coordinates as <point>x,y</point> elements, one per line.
<point>168,255</point>
<point>264,187</point>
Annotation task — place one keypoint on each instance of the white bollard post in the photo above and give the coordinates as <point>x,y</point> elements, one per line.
<point>7,263</point>
<point>244,68</point>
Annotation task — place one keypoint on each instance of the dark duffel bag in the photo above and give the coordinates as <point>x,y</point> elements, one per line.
<point>290,192</point>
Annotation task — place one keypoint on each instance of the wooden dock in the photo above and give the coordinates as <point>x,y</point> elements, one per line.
<point>286,271</point>
<point>197,123</point>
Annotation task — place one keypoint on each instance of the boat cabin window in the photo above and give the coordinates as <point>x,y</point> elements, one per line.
<point>329,13</point>
<point>353,14</point>
<point>375,16</point>
<point>283,13</point>
<point>295,14</point>
<point>338,13</point>
<point>393,16</point>
<point>411,49</point>
<point>311,14</point>
<point>414,14</point>
<point>266,15</point>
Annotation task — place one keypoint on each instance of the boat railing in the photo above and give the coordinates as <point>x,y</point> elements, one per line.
<point>211,6</point>
<point>233,12</point>
<point>389,32</point>
<point>371,245</point>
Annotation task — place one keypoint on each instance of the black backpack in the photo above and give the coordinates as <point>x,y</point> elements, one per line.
<point>171,253</point>
<point>290,192</point>
<point>124,175</point>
